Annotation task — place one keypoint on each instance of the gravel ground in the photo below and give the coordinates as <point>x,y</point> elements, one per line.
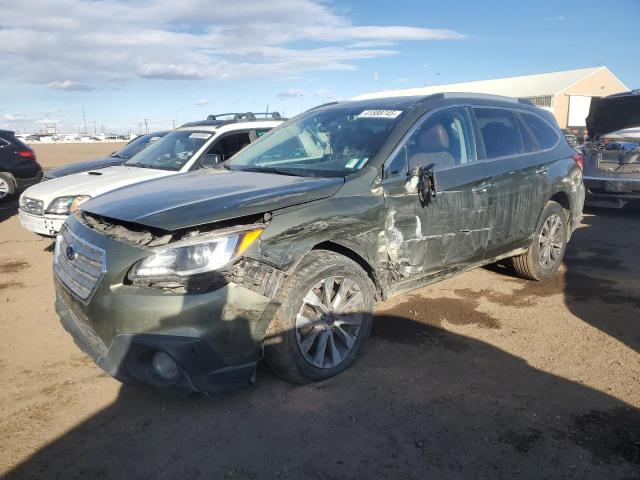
<point>480,376</point>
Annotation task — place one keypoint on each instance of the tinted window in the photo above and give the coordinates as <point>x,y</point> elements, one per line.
<point>230,144</point>
<point>528,139</point>
<point>443,139</point>
<point>499,131</point>
<point>544,134</point>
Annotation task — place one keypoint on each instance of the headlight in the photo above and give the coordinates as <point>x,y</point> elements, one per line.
<point>194,256</point>
<point>66,205</point>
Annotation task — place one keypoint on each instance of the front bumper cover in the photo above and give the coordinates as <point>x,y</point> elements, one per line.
<point>128,357</point>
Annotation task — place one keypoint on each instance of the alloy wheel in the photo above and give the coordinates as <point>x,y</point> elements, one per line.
<point>4,188</point>
<point>551,242</point>
<point>329,321</point>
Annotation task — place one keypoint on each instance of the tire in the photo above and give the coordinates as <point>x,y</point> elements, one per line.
<point>543,258</point>
<point>7,187</point>
<point>309,342</point>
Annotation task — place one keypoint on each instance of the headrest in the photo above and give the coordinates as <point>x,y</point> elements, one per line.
<point>434,139</point>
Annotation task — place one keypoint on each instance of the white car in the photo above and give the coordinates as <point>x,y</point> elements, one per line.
<point>45,206</point>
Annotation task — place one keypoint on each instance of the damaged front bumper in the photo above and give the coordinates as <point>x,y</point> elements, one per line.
<point>214,338</point>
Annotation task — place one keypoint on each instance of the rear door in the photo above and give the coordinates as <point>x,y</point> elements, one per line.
<point>517,168</point>
<point>451,227</point>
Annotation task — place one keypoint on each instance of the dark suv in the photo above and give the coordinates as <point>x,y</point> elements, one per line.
<point>18,166</point>
<point>186,282</point>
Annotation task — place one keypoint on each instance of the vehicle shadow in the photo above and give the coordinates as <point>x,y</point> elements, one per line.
<point>8,208</point>
<point>422,402</point>
<point>602,279</point>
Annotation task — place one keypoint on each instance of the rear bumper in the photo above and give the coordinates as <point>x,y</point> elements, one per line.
<point>598,188</point>
<point>47,225</point>
<point>24,183</point>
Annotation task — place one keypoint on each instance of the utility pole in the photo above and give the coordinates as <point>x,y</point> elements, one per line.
<point>84,118</point>
<point>146,126</point>
<point>95,130</point>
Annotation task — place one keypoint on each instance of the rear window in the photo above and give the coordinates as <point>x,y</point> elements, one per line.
<point>499,132</point>
<point>543,133</point>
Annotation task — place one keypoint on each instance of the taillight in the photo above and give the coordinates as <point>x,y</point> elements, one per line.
<point>579,159</point>
<point>27,154</point>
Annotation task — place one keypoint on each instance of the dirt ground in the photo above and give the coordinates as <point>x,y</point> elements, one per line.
<point>51,155</point>
<point>480,376</point>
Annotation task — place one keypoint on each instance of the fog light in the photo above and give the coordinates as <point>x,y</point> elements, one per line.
<point>165,366</point>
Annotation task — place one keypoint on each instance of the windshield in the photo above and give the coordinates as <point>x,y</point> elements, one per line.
<point>171,152</point>
<point>332,142</point>
<point>136,145</point>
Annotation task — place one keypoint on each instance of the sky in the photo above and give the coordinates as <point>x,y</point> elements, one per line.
<point>169,62</point>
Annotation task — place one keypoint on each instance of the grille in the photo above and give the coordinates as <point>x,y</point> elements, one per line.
<point>31,205</point>
<point>78,264</point>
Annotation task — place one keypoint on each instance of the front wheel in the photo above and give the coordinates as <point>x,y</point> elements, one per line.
<point>323,320</point>
<point>543,258</point>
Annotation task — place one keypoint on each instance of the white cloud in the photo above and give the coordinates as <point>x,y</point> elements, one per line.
<point>291,93</point>
<point>78,44</point>
<point>202,102</point>
<point>403,80</point>
<point>69,85</point>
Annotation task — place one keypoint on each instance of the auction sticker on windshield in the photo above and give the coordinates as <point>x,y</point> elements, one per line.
<point>379,114</point>
<point>204,136</point>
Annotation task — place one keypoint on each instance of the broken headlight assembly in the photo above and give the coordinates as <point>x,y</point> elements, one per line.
<point>66,205</point>
<point>193,257</point>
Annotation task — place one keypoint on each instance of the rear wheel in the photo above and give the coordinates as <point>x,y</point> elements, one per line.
<point>543,258</point>
<point>7,187</point>
<point>324,318</point>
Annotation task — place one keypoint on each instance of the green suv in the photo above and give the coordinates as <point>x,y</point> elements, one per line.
<point>281,252</point>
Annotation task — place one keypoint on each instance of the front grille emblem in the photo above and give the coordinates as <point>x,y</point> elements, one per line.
<point>71,253</point>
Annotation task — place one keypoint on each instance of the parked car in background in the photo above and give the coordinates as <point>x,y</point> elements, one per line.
<point>18,166</point>
<point>45,207</point>
<point>183,282</point>
<point>612,152</point>
<point>116,158</point>
<point>572,140</point>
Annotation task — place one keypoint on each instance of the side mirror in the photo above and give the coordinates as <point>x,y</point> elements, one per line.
<point>423,182</point>
<point>210,160</point>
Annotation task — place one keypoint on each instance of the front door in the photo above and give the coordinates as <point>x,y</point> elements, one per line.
<point>452,226</point>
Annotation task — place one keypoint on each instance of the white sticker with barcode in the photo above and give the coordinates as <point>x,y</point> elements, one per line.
<point>204,136</point>
<point>380,114</point>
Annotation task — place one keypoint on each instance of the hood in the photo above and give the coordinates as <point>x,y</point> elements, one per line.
<point>613,113</point>
<point>84,166</point>
<point>208,196</point>
<point>92,183</point>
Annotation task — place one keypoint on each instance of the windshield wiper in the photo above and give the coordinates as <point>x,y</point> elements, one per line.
<point>276,170</point>
<point>139,165</point>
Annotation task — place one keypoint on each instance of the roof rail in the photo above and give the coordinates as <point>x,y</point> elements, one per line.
<point>246,115</point>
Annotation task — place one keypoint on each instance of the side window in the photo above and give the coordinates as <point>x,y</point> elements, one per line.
<point>545,135</point>
<point>528,138</point>
<point>443,139</point>
<point>499,132</point>
<point>230,144</point>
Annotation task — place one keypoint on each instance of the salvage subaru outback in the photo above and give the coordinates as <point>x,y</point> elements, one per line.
<point>186,282</point>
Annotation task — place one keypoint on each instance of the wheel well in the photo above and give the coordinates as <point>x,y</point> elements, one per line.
<point>351,254</point>
<point>563,199</point>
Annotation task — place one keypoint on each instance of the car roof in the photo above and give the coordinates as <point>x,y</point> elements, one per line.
<point>407,102</point>
<point>214,126</point>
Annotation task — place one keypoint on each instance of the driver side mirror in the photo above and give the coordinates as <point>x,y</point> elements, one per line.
<point>210,160</point>
<point>423,182</point>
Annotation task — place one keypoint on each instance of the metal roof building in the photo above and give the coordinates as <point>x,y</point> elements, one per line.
<point>566,94</point>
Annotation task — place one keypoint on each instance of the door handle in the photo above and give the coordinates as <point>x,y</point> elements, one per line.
<point>542,170</point>
<point>482,188</point>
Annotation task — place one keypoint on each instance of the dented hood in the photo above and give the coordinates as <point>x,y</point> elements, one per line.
<point>609,114</point>
<point>207,196</point>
